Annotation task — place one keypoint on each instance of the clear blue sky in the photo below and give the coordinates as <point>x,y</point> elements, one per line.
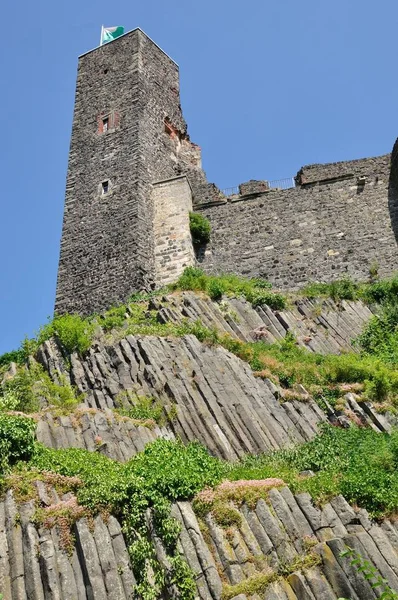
<point>267,86</point>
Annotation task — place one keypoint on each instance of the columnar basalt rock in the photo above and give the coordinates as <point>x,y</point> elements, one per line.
<point>286,536</point>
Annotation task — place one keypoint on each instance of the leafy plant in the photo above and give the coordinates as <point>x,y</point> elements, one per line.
<point>215,289</point>
<point>140,407</point>
<point>200,228</point>
<point>16,439</point>
<point>370,573</point>
<point>173,470</point>
<point>74,332</point>
<point>31,386</point>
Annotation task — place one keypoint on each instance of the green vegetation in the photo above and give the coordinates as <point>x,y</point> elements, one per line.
<point>140,407</point>
<point>358,463</point>
<point>16,440</point>
<point>32,386</point>
<point>373,292</point>
<point>256,291</point>
<point>200,229</point>
<point>380,336</point>
<point>371,374</point>
<point>74,333</point>
<point>163,473</point>
<point>343,289</point>
<point>258,583</point>
<point>371,574</point>
<point>16,356</point>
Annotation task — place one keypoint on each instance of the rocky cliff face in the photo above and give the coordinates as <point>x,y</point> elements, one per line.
<point>297,544</point>
<point>218,401</point>
<point>212,396</point>
<point>320,325</point>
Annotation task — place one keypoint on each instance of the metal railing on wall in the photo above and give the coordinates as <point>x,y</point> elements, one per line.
<point>282,184</point>
<point>232,191</point>
<point>277,184</point>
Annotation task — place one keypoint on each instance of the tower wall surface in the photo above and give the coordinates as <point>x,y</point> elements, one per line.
<point>128,131</point>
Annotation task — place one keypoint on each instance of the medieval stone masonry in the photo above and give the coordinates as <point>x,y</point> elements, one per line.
<point>128,132</point>
<point>123,231</point>
<point>82,528</point>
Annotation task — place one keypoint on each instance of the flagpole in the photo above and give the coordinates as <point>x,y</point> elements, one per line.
<point>102,33</point>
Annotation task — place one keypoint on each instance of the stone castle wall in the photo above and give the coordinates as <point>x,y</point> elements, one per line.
<point>173,243</point>
<point>118,237</point>
<point>107,248</point>
<point>337,222</point>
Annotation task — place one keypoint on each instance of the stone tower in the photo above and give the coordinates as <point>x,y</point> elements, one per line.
<point>132,173</point>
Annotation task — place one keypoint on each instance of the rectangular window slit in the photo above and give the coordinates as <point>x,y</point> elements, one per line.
<point>105,187</point>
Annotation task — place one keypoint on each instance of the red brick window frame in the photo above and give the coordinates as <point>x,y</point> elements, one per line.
<point>108,121</point>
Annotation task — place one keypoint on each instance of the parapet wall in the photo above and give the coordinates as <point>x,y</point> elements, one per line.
<point>336,222</point>
<point>371,167</point>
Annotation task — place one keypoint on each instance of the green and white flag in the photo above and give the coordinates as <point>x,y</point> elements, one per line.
<point>108,34</point>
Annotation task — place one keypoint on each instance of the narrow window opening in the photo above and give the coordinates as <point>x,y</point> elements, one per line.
<point>105,187</point>
<point>105,124</point>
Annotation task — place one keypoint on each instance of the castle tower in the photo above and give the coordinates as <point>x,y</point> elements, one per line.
<point>126,216</point>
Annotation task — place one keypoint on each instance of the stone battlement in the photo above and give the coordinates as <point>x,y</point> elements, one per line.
<point>337,221</point>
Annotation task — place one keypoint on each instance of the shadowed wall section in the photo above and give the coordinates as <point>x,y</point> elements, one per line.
<point>393,191</point>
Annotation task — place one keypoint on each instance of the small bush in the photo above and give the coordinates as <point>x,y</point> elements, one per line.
<point>113,318</point>
<point>140,407</point>
<point>341,289</point>
<point>176,471</point>
<point>192,279</point>
<point>215,289</point>
<point>32,386</point>
<point>259,297</point>
<point>379,388</point>
<point>16,439</point>
<point>74,333</point>
<point>16,356</point>
<point>20,393</point>
<point>382,291</point>
<point>200,229</point>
